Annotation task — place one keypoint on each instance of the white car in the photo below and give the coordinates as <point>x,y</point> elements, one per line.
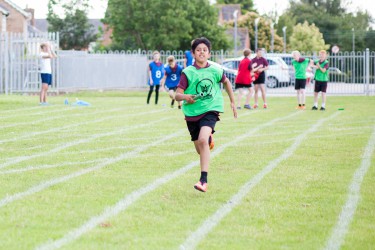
<point>277,74</point>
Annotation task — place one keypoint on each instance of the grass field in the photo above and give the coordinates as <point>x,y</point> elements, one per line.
<point>119,174</point>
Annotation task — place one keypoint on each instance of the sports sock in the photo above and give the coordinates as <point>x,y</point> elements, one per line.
<point>203,178</point>
<point>323,105</point>
<point>315,104</point>
<point>172,103</point>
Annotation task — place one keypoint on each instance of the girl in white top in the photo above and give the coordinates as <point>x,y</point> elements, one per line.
<point>45,70</point>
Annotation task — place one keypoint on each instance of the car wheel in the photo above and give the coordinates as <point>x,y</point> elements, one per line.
<point>272,82</point>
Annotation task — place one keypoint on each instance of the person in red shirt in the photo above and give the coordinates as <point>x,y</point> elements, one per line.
<point>244,78</point>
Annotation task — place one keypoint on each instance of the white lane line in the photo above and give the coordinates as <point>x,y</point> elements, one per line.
<point>77,142</point>
<point>194,238</point>
<point>48,166</point>
<point>56,129</point>
<point>32,168</point>
<point>135,195</point>
<point>348,210</point>
<point>51,109</point>
<point>47,184</point>
<point>21,109</point>
<point>48,118</point>
<point>61,116</point>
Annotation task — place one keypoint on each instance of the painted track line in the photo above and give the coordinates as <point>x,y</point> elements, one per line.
<point>49,166</point>
<point>77,142</point>
<point>135,195</point>
<point>47,184</point>
<point>194,238</point>
<point>348,210</point>
<point>20,109</point>
<point>32,168</point>
<point>57,129</point>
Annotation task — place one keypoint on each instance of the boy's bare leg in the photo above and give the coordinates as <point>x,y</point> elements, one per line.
<point>263,90</point>
<point>324,99</point>
<point>249,95</point>
<point>256,87</point>
<point>203,148</point>
<point>239,97</point>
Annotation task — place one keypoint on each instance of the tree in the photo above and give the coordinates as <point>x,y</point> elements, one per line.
<point>369,40</point>
<point>333,20</point>
<point>289,22</point>
<point>246,5</point>
<point>74,29</point>
<point>168,25</point>
<point>307,38</point>
<point>264,31</point>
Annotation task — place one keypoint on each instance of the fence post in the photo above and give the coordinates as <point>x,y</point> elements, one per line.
<point>57,72</point>
<point>6,61</point>
<point>367,71</point>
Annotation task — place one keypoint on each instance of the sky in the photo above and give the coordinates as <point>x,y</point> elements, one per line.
<point>263,6</point>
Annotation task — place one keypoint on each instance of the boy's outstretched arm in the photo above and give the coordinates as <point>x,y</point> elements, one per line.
<point>180,96</point>
<point>228,89</point>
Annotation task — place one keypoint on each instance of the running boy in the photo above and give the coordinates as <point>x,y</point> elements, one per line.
<point>172,78</point>
<point>321,79</point>
<point>199,87</point>
<point>46,55</point>
<point>300,65</point>
<point>156,72</point>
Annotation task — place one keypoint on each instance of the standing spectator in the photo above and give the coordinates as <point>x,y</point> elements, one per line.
<point>156,72</point>
<point>172,78</point>
<point>203,80</point>
<point>188,57</point>
<point>46,55</point>
<point>259,65</point>
<point>321,79</point>
<point>300,65</point>
<point>243,82</point>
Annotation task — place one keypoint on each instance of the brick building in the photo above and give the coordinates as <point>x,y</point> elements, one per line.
<point>226,14</point>
<point>14,19</point>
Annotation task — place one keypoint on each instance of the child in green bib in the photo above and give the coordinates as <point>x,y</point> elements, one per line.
<point>321,79</point>
<point>300,65</point>
<point>200,90</point>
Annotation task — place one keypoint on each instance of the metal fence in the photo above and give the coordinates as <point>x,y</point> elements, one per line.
<point>351,73</point>
<point>19,61</point>
<point>82,70</point>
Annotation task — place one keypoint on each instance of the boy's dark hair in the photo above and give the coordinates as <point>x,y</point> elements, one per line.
<point>199,41</point>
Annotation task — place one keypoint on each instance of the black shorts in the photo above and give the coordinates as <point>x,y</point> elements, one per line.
<point>241,86</point>
<point>320,86</point>
<point>300,84</point>
<point>208,120</point>
<point>261,79</point>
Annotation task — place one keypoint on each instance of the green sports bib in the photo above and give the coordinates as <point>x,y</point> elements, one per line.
<point>204,83</point>
<point>319,75</point>
<point>300,68</point>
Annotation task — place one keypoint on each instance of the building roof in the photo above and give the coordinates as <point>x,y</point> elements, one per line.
<point>4,10</point>
<point>19,9</point>
<point>226,11</point>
